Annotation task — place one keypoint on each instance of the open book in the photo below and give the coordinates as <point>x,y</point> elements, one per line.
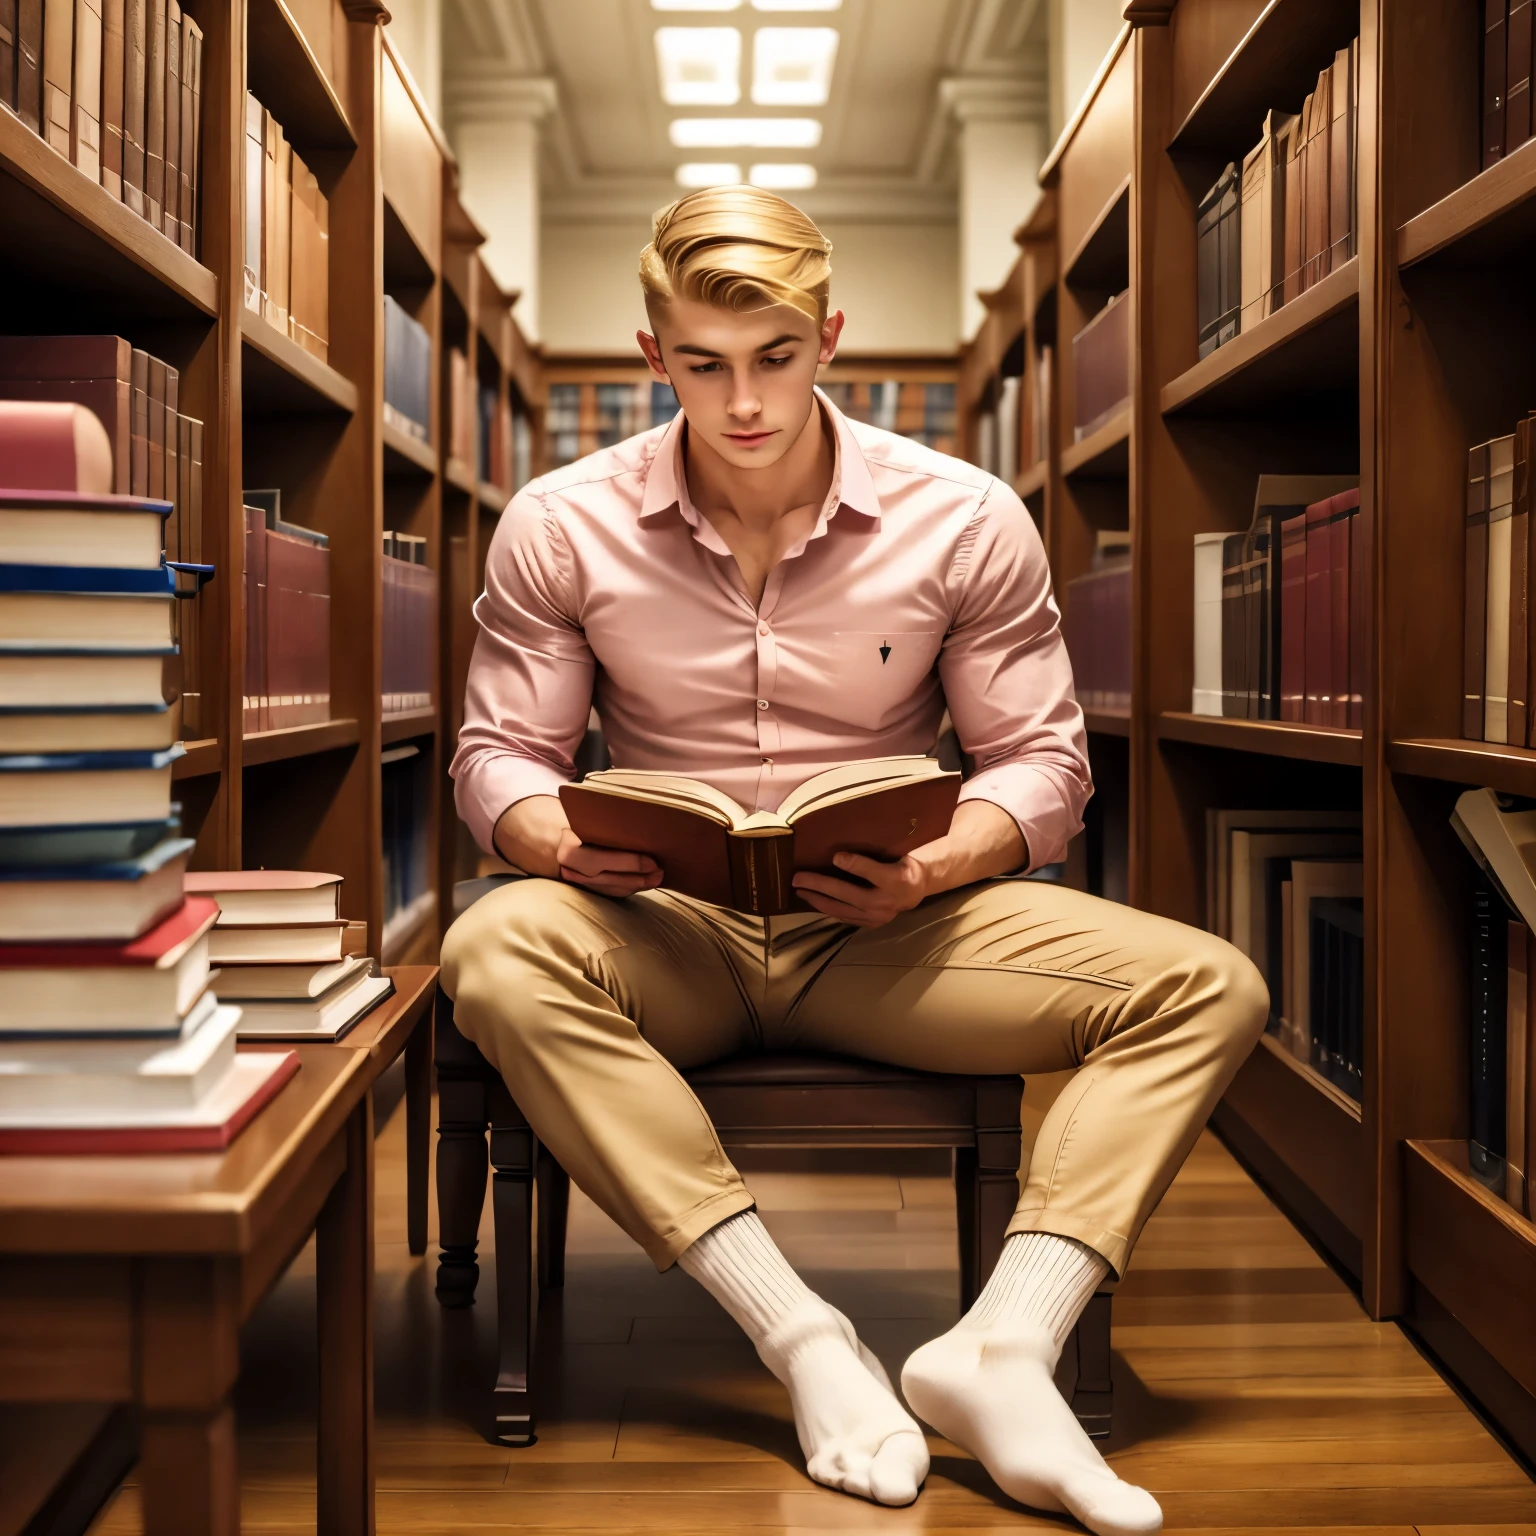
<point>711,848</point>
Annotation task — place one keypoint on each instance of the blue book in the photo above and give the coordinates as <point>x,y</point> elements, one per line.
<point>53,727</point>
<point>92,843</point>
<point>85,788</point>
<point>93,903</point>
<point>156,582</point>
<point>56,527</point>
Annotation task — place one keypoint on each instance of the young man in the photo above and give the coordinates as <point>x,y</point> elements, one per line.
<point>754,593</point>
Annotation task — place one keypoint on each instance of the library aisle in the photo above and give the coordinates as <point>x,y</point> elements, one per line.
<point>1251,1390</point>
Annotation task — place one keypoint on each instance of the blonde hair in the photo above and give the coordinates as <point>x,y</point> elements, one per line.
<point>738,247</point>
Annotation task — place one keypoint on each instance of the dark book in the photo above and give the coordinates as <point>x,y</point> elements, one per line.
<point>1474,629</point>
<point>134,81</point>
<point>1234,635</point>
<point>1319,620</point>
<point>29,63</point>
<point>1218,274</point>
<point>1293,142</point>
<point>711,848</point>
<point>1519,586</point>
<point>1359,621</point>
<point>1255,597</point>
<point>1341,160</point>
<point>1293,617</point>
<point>1337,990</point>
<point>112,97</point>
<point>298,651</point>
<point>1517,75</point>
<point>255,689</point>
<point>1488,1038</point>
<point>170,205</point>
<point>1316,210</point>
<point>1495,71</point>
<point>1345,507</point>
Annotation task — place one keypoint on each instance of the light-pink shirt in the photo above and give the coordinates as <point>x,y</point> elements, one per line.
<point>924,583</point>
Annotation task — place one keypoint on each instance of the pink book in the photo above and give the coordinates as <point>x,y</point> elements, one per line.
<point>1341,521</point>
<point>1293,618</point>
<point>54,445</point>
<point>1318,628</point>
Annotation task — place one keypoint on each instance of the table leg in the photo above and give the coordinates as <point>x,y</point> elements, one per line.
<point>344,1281</point>
<point>418,1130</point>
<point>189,1474</point>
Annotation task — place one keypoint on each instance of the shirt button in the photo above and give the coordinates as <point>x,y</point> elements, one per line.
<point>762,703</point>
<point>762,629</point>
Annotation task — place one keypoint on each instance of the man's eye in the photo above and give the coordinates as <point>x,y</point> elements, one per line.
<point>776,362</point>
<point>705,368</point>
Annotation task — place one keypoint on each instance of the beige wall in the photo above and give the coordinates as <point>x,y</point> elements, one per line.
<point>897,284</point>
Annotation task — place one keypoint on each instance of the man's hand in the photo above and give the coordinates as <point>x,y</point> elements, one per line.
<point>893,888</point>
<point>534,835</point>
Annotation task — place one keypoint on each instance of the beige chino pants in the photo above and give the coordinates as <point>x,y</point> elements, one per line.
<point>588,1006</point>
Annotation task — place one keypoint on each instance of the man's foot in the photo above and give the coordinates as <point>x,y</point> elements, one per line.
<point>990,1391</point>
<point>856,1436</point>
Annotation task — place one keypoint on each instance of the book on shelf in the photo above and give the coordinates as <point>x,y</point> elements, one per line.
<point>1219,827</point>
<point>1208,611</point>
<point>407,371</point>
<point>1517,1066</point>
<point>28,102</point>
<point>409,624</point>
<point>407,846</point>
<point>118,900</point>
<point>1096,625</point>
<point>267,943</point>
<point>58,72</point>
<point>1101,367</point>
<point>711,848</point>
<point>1310,880</point>
<point>1336,983</point>
<point>287,619</point>
<point>1259,862</point>
<point>1218,261</point>
<point>1009,426</point>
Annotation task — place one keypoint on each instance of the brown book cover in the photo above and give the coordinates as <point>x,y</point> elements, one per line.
<point>1344,509</point>
<point>169,434</point>
<point>188,610</point>
<point>1476,604</point>
<point>8,53</point>
<point>154,109</point>
<point>134,63</point>
<point>1319,623</point>
<point>1495,71</point>
<point>280,246</point>
<point>191,100</point>
<point>297,631</point>
<point>1318,202</point>
<point>112,97</point>
<point>85,119</point>
<point>1517,75</point>
<point>170,205</point>
<point>303,238</point>
<point>1234,644</point>
<point>269,133</point>
<point>254,164</point>
<point>138,470</point>
<point>154,433</point>
<point>1516,1037</point>
<point>29,63</point>
<point>1519,585</point>
<point>58,71</point>
<point>1501,506</point>
<point>255,691</point>
<point>1341,159</point>
<point>1529,1084</point>
<point>1254,572</point>
<point>1359,621</point>
<point>1293,139</point>
<point>748,862</point>
<point>319,343</point>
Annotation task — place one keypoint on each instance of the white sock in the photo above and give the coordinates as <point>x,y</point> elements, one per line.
<point>987,1386</point>
<point>855,1435</point>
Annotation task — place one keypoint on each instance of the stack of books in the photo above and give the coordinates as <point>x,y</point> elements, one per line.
<point>111,1036</point>
<point>285,954</point>
<point>116,88</point>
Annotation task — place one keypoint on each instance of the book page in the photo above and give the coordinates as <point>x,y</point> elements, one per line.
<point>852,780</point>
<point>670,788</point>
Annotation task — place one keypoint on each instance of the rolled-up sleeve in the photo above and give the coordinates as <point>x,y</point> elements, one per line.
<point>1008,682</point>
<point>530,678</point>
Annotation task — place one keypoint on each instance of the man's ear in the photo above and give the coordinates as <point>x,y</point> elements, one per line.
<point>831,329</point>
<point>652,351</point>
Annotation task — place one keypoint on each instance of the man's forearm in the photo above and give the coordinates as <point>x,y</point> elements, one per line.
<point>528,835</point>
<point>983,842</point>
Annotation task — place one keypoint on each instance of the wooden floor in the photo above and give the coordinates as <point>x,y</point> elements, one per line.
<point>1251,1391</point>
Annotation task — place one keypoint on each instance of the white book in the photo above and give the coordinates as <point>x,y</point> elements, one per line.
<point>279,983</point>
<point>67,1086</point>
<point>106,1053</point>
<point>249,944</point>
<point>1207,690</point>
<point>122,620</point>
<point>1504,844</point>
<point>88,789</point>
<point>33,677</point>
<point>1501,475</point>
<point>265,897</point>
<point>77,903</point>
<point>324,1018</point>
<point>128,535</point>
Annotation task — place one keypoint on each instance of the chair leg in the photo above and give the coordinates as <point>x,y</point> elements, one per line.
<point>967,1210</point>
<point>462,1122</point>
<point>512,1155</point>
<point>1093,1399</point>
<point>554,1206</point>
<point>418,1132</point>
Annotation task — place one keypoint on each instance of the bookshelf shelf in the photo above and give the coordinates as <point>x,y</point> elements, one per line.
<point>1309,344</point>
<point>407,455</point>
<point>1490,219</point>
<point>1102,455</point>
<point>1108,722</point>
<point>1274,65</point>
<point>492,498</point>
<point>279,375</point>
<point>1490,764</point>
<point>1458,1235</point>
<point>1304,743</point>
<point>287,78</point>
<point>1032,481</point>
<point>198,759</point>
<point>81,241</point>
<point>1102,257</point>
<point>407,724</point>
<point>406,263</point>
<point>262,747</point>
<point>457,474</point>
<point>1311,1075</point>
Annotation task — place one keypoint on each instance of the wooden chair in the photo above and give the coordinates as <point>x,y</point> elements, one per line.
<point>754,1101</point>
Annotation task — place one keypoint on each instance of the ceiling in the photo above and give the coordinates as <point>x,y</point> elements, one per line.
<point>886,146</point>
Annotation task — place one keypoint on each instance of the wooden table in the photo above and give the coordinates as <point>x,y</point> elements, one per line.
<point>126,1279</point>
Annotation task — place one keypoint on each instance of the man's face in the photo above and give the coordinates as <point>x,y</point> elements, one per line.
<point>744,380</point>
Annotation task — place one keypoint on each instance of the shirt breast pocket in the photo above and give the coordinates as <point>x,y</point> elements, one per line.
<point>879,673</point>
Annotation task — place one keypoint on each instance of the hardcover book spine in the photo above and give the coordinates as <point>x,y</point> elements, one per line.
<point>1495,68</point>
<point>8,53</point>
<point>253,206</point>
<point>1341,189</point>
<point>1295,202</point>
<point>1517,75</point>
<point>58,71</point>
<point>1208,270</point>
<point>760,876</point>
<point>85,121</point>
<point>1234,642</point>
<point>1516,1066</point>
<point>1341,518</point>
<point>191,63</point>
<point>112,97</point>
<point>1474,630</point>
<point>1359,621</point>
<point>1486,1048</point>
<point>1519,585</point>
<point>1293,618</point>
<point>1318,201</point>
<point>170,207</point>
<point>154,110</point>
<point>134,82</point>
<point>1496,635</point>
<point>1254,569</point>
<point>155,432</point>
<point>1319,633</point>
<point>29,63</point>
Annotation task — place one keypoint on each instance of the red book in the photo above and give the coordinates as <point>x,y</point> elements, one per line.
<point>53,446</point>
<point>1293,618</point>
<point>1341,519</point>
<point>162,946</point>
<point>254,1081</point>
<point>1359,621</point>
<point>1318,630</point>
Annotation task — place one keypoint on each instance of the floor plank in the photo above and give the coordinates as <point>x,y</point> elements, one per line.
<point>1252,1393</point>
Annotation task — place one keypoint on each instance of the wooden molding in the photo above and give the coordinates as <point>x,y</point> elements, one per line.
<point>1148,13</point>
<point>366,10</point>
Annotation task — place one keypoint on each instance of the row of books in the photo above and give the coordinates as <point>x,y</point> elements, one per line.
<point>925,412</point>
<point>1267,233</point>
<point>410,623</point>
<point>1499,640</point>
<point>582,418</point>
<point>464,413</point>
<point>506,442</point>
<point>115,86</point>
<point>1508,42</point>
<point>1286,887</point>
<point>408,897</point>
<point>1280,612</point>
<point>1501,1042</point>
<point>287,235</point>
<point>1096,625</point>
<point>407,371</point>
<point>156,453</point>
<point>287,599</point>
<point>1101,367</point>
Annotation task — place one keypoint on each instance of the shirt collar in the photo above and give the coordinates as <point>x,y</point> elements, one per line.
<point>853,486</point>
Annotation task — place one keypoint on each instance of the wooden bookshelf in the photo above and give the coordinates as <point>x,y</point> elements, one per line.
<point>1105,454</point>
<point>1273,738</point>
<point>1491,764</point>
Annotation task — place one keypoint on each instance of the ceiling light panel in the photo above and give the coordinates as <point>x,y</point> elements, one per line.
<point>793,5</point>
<point>697,5</point>
<point>745,132</point>
<point>708,173</point>
<point>699,66</point>
<point>781,177</point>
<point>792,66</point>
